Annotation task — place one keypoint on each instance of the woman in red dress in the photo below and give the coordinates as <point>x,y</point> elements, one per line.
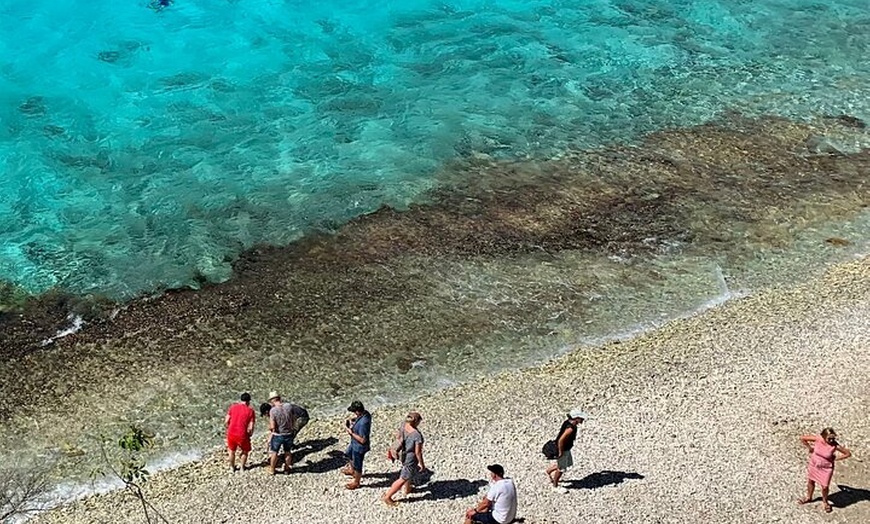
<point>823,452</point>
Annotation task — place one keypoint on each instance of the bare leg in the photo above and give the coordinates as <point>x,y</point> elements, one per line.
<point>555,474</point>
<point>244,459</point>
<point>554,468</point>
<point>273,462</point>
<point>811,486</point>
<point>826,504</point>
<point>232,459</point>
<point>394,488</point>
<point>357,478</point>
<point>288,462</point>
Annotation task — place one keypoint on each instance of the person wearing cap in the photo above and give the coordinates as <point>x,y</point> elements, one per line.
<point>359,429</point>
<point>412,464</point>
<point>240,426</point>
<point>499,506</point>
<point>564,443</point>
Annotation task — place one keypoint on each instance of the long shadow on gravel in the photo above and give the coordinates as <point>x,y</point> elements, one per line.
<point>387,479</point>
<point>312,446</point>
<point>448,489</point>
<point>602,479</point>
<point>848,496</point>
<point>334,460</point>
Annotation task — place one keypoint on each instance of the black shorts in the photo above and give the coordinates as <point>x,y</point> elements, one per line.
<point>484,518</point>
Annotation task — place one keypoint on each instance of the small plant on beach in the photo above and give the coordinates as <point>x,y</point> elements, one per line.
<point>127,463</point>
<point>22,491</point>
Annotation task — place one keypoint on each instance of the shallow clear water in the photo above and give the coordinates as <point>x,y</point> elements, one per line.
<point>178,138</point>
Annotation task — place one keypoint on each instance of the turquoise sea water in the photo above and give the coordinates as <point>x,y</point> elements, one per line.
<point>144,149</point>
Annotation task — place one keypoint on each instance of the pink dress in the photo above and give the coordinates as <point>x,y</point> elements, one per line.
<point>821,466</point>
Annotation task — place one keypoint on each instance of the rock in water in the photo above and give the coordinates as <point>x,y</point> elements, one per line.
<point>838,242</point>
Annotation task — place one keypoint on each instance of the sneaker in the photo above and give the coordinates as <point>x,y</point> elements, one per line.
<point>560,489</point>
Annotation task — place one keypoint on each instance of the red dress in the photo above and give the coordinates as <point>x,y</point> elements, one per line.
<point>821,466</point>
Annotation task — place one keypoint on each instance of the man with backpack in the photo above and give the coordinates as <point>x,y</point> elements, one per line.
<point>562,452</point>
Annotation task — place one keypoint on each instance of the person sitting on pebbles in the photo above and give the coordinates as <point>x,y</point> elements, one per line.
<point>564,443</point>
<point>412,461</point>
<point>820,469</point>
<point>499,506</point>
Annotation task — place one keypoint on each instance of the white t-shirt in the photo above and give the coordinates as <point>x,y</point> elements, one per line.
<point>503,495</point>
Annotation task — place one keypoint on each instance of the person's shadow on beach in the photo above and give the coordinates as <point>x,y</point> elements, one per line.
<point>299,453</point>
<point>387,479</point>
<point>602,479</point>
<point>303,449</point>
<point>848,495</point>
<point>447,489</point>
<point>332,461</point>
<point>425,489</point>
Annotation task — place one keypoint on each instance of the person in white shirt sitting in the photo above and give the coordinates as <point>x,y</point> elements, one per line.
<point>499,506</point>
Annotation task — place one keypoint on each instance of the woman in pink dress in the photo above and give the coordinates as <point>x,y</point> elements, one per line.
<point>823,452</point>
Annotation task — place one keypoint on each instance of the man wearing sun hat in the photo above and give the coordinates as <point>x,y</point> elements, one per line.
<point>499,506</point>
<point>564,443</point>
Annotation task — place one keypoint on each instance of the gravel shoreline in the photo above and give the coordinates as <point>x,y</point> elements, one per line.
<point>695,421</point>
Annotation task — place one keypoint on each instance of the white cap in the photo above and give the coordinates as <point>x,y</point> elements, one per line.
<point>577,413</point>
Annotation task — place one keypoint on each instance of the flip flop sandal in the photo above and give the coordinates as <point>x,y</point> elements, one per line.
<point>828,508</point>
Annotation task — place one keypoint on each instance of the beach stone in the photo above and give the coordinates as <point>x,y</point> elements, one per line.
<point>53,130</point>
<point>109,56</point>
<point>838,242</point>
<point>820,145</point>
<point>852,121</point>
<point>33,106</point>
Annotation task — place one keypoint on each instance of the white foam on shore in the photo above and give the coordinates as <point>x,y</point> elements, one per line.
<point>76,323</point>
<point>67,492</point>
<point>71,491</point>
<point>440,381</point>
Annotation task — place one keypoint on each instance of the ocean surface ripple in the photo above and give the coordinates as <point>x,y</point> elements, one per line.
<point>142,150</point>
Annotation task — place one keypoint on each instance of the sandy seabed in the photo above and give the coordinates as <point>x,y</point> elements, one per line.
<point>696,421</point>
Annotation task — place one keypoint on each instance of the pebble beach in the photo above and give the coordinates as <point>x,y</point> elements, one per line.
<point>492,213</point>
<point>695,421</point>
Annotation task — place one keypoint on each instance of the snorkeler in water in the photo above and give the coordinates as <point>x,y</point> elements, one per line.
<point>160,5</point>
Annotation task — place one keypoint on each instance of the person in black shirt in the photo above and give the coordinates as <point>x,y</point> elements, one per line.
<point>564,442</point>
